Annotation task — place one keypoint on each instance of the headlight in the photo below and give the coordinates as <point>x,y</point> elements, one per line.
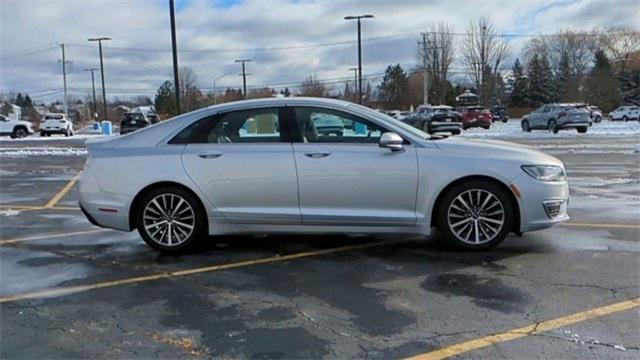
<point>547,173</point>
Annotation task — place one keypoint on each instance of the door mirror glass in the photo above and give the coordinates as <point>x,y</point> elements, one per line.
<point>391,141</point>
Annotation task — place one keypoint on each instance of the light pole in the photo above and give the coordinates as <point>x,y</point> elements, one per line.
<point>244,76</point>
<point>215,97</point>
<point>355,82</point>
<point>104,93</point>
<point>174,50</point>
<point>93,88</point>
<point>358,17</point>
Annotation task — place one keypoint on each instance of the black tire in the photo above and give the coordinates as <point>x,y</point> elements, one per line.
<point>625,119</point>
<point>597,119</point>
<point>42,133</point>
<point>199,223</point>
<point>456,132</point>
<point>20,132</point>
<point>49,134</point>
<point>447,203</point>
<point>525,126</point>
<point>552,126</point>
<point>505,120</point>
<point>582,130</point>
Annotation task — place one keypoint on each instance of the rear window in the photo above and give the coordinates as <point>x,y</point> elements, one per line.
<point>133,117</point>
<point>53,117</point>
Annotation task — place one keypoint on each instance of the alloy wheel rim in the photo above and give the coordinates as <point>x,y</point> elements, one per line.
<point>476,216</point>
<point>168,219</point>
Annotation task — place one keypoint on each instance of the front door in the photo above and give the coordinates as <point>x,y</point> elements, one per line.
<point>345,178</point>
<point>245,166</point>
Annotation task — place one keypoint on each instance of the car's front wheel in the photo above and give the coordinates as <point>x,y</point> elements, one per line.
<point>525,126</point>
<point>475,215</point>
<point>582,130</point>
<point>170,219</point>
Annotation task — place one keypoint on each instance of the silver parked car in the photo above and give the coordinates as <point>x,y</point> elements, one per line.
<point>262,166</point>
<point>556,117</point>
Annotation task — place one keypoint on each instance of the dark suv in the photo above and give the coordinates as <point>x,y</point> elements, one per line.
<point>133,121</point>
<point>499,113</point>
<point>433,119</point>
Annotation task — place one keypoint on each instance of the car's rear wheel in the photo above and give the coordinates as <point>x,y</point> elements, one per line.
<point>553,126</point>
<point>525,126</point>
<point>625,118</point>
<point>475,215</point>
<point>170,219</point>
<point>582,130</point>
<point>597,119</point>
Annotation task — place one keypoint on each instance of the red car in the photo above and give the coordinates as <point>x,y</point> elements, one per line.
<point>476,116</point>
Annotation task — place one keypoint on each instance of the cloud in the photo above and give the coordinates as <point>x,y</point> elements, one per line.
<point>211,34</point>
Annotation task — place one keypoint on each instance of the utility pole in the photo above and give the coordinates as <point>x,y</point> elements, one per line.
<point>425,72</point>
<point>358,17</point>
<point>355,82</point>
<point>174,49</point>
<point>64,78</point>
<point>104,91</point>
<point>244,76</point>
<point>93,89</point>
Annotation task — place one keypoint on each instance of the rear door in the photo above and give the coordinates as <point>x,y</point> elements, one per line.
<point>244,164</point>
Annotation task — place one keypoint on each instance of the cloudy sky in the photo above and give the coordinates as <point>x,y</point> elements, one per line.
<point>287,40</point>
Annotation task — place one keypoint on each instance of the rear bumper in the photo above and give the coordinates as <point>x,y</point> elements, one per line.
<point>103,208</point>
<point>444,126</point>
<point>54,131</point>
<point>476,123</point>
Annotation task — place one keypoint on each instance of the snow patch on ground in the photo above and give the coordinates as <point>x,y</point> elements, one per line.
<point>9,212</point>
<point>41,151</point>
<point>513,130</point>
<point>614,181</point>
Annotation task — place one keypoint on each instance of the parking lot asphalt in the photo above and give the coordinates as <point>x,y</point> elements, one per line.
<point>71,290</point>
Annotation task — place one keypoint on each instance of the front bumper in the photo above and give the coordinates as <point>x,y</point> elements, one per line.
<point>536,201</point>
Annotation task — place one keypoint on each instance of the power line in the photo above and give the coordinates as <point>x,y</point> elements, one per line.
<point>29,52</point>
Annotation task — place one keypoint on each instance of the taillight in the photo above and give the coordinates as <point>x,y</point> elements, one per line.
<point>562,113</point>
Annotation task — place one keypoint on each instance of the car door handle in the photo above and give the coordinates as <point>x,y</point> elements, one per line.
<point>317,155</point>
<point>209,155</point>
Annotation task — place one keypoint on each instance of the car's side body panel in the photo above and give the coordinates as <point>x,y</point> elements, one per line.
<point>278,188</point>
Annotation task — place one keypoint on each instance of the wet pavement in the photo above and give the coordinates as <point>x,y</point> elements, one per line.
<point>317,296</point>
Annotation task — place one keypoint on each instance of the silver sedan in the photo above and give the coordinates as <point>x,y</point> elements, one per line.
<point>306,165</point>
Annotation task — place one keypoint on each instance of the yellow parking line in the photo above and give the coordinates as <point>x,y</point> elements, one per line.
<point>48,236</point>
<point>54,200</point>
<point>602,225</point>
<point>138,279</point>
<point>528,330</point>
<point>21,207</point>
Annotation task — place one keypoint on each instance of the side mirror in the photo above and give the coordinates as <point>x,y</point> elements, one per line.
<point>391,141</point>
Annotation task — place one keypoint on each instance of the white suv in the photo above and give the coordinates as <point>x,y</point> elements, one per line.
<point>15,128</point>
<point>56,124</point>
<point>625,113</point>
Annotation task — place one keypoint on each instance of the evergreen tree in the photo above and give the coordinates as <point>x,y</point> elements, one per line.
<point>27,101</point>
<point>540,81</point>
<point>601,88</point>
<point>564,79</point>
<point>518,85</point>
<point>393,89</point>
<point>165,101</point>
<point>19,100</point>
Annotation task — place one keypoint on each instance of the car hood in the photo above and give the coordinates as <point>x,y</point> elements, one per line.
<point>500,150</point>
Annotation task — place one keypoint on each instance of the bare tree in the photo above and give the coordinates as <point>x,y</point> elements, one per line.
<point>483,50</point>
<point>311,86</point>
<point>622,46</point>
<point>438,53</point>
<point>189,92</point>
<point>575,47</point>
